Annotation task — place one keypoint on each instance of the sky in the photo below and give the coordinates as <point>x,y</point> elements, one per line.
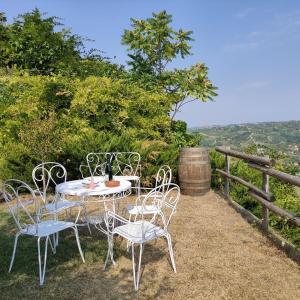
<point>252,48</point>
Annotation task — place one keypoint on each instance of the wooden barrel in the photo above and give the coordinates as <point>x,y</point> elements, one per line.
<point>194,171</point>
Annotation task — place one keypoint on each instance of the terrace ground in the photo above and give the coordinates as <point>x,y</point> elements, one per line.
<point>218,255</point>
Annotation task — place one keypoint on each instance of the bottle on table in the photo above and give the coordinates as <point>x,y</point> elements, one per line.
<point>110,175</point>
<point>108,168</point>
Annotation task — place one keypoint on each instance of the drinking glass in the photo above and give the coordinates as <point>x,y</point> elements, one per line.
<point>102,178</point>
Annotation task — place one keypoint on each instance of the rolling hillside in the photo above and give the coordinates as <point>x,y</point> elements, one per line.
<point>284,136</point>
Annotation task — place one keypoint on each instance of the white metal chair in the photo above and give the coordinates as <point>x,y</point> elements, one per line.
<point>126,165</point>
<point>27,214</point>
<point>47,175</point>
<point>163,179</point>
<point>142,231</point>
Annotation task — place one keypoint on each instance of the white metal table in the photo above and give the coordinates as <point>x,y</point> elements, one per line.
<point>80,188</point>
<point>99,194</point>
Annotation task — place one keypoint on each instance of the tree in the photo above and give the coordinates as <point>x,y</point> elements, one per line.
<point>32,43</point>
<point>152,45</point>
<point>3,40</point>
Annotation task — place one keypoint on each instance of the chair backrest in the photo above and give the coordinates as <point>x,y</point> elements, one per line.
<point>46,175</point>
<point>123,163</point>
<point>167,197</point>
<point>163,177</point>
<point>21,202</point>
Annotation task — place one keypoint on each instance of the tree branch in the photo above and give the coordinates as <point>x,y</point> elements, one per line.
<point>185,102</point>
<point>179,104</point>
<point>174,111</point>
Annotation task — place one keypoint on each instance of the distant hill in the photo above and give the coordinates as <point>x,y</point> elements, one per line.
<point>284,136</point>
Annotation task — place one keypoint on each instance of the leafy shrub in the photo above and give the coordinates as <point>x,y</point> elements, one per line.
<point>47,118</point>
<point>285,194</point>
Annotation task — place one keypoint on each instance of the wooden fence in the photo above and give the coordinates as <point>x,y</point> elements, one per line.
<point>260,194</point>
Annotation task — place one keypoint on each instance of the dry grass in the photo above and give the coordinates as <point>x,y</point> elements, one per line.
<point>218,255</point>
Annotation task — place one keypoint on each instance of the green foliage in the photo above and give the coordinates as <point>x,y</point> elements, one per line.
<point>125,107</point>
<point>35,43</point>
<point>285,194</point>
<point>282,136</point>
<point>181,137</point>
<point>3,39</point>
<point>59,101</point>
<point>217,161</point>
<point>152,45</point>
<point>32,43</point>
<point>41,138</point>
<point>62,119</point>
<point>93,67</point>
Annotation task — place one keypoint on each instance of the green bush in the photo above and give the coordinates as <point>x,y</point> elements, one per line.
<point>285,194</point>
<point>57,118</point>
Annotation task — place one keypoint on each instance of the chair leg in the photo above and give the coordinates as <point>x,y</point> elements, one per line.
<point>136,275</point>
<point>112,250</point>
<point>53,245</point>
<point>89,228</point>
<point>110,253</point>
<point>56,239</point>
<point>85,218</point>
<point>14,252</point>
<point>78,243</point>
<point>42,272</point>
<point>169,240</point>
<point>106,259</point>
<point>138,187</point>
<point>55,235</point>
<point>128,246</point>
<point>128,242</point>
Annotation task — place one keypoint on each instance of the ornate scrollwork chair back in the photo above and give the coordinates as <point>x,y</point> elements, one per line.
<point>46,176</point>
<point>123,163</point>
<point>21,202</point>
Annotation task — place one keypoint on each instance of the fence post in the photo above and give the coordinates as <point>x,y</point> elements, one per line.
<point>265,210</point>
<point>227,169</point>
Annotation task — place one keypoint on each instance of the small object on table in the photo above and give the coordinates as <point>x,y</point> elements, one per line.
<point>92,184</point>
<point>112,183</point>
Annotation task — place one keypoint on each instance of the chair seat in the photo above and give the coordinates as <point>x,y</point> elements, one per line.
<point>139,209</point>
<point>133,231</point>
<point>48,227</point>
<point>61,204</point>
<point>93,219</point>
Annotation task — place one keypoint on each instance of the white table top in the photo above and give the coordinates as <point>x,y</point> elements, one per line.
<point>126,177</point>
<point>80,188</point>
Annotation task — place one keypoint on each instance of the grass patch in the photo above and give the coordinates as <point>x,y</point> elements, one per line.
<point>23,281</point>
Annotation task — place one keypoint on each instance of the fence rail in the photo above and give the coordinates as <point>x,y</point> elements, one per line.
<point>265,161</point>
<point>262,195</point>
